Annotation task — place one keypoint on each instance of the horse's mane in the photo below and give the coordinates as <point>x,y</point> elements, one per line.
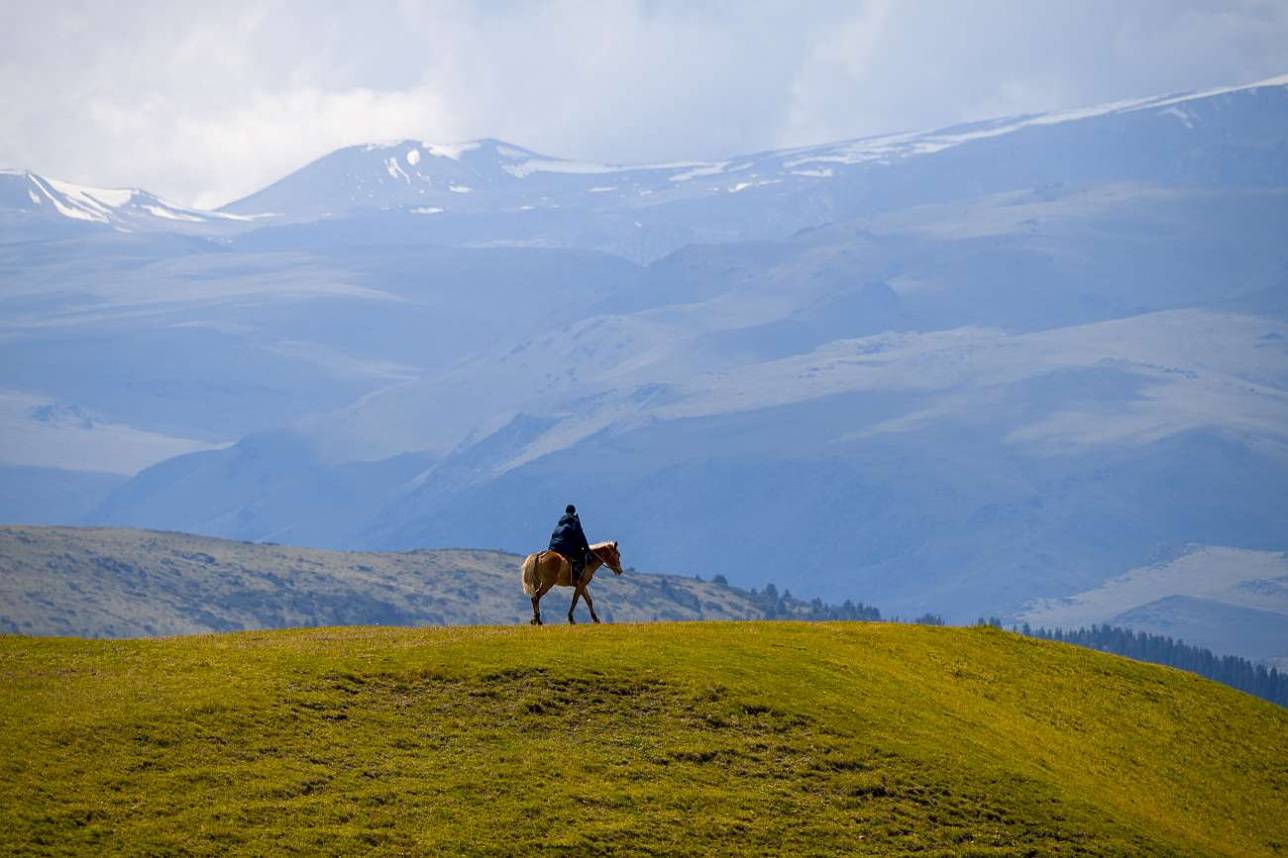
<point>598,545</point>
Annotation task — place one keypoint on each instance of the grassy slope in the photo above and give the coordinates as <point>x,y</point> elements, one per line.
<point>843,738</point>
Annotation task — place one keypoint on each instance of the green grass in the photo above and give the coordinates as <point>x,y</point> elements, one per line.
<point>843,739</point>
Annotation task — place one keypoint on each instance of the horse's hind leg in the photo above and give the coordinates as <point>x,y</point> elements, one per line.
<point>589,604</point>
<point>576,594</point>
<point>536,602</point>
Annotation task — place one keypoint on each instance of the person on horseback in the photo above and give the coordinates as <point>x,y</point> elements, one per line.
<point>569,540</point>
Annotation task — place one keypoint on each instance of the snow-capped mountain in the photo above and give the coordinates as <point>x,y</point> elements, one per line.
<point>953,371</point>
<point>487,192</point>
<point>28,200</point>
<point>479,175</point>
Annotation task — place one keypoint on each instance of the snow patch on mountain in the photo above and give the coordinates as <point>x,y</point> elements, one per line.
<point>527,168</point>
<point>96,197</point>
<point>451,151</point>
<point>170,214</point>
<point>754,183</point>
<point>78,201</point>
<point>699,171</point>
<point>1185,117</point>
<point>395,171</point>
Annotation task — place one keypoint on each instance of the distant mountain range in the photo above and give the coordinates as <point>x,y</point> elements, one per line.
<point>489,192</point>
<point>1167,137</point>
<point>968,371</point>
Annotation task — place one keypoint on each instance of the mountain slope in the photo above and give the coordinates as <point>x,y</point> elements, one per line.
<point>1208,623</point>
<point>677,738</point>
<point>951,408</point>
<point>100,582</point>
<point>1225,599</point>
<point>176,341</point>
<point>954,408</point>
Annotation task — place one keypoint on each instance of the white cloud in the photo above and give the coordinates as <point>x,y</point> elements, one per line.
<point>893,67</point>
<point>205,102</point>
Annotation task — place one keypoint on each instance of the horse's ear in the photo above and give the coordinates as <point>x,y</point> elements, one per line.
<point>614,544</point>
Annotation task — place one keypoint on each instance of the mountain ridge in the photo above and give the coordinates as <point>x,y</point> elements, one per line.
<point>462,161</point>
<point>24,194</point>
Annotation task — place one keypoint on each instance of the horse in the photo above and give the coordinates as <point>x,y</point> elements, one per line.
<point>545,569</point>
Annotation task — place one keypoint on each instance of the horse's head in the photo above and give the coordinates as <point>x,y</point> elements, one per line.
<point>608,553</point>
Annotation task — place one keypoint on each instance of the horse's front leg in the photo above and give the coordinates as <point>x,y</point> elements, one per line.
<point>589,604</point>
<point>576,594</point>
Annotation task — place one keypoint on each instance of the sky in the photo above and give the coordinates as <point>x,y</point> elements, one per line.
<point>206,102</point>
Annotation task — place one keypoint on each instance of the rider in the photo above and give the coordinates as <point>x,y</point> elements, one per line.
<point>570,541</point>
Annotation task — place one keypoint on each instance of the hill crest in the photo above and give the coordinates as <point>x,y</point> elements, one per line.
<point>677,738</point>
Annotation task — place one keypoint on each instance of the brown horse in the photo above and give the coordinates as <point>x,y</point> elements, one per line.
<point>545,569</point>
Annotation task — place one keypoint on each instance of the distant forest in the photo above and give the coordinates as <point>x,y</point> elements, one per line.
<point>785,606</point>
<point>1268,684</point>
<point>1256,679</point>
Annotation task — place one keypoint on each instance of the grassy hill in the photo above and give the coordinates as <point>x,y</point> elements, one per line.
<point>793,738</point>
<point>116,582</point>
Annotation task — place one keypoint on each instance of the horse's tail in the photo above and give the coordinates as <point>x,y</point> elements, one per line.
<point>530,582</point>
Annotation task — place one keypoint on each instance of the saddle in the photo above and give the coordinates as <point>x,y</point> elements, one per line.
<point>576,565</point>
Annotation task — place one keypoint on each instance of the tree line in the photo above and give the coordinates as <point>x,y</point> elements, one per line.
<point>1257,679</point>
<point>784,606</point>
<point>1232,670</point>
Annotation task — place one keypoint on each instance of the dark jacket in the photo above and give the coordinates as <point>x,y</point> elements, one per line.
<point>568,538</point>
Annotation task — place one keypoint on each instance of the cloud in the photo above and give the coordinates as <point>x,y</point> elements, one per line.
<point>887,70</point>
<point>207,102</point>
